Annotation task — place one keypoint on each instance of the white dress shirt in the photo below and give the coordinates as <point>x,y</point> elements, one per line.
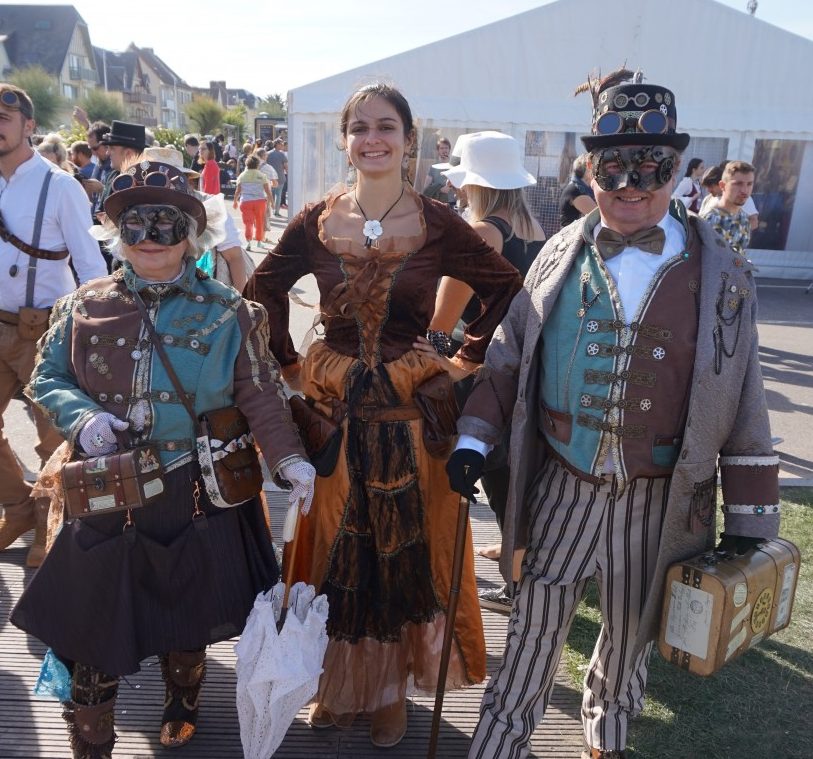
<point>65,224</point>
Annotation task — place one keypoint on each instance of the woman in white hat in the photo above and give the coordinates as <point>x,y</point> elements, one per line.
<point>493,177</point>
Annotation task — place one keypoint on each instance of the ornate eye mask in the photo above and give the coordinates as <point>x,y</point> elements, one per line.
<point>165,225</point>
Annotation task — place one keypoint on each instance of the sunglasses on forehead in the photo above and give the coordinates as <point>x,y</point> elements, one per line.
<point>649,122</point>
<point>11,99</point>
<point>153,179</point>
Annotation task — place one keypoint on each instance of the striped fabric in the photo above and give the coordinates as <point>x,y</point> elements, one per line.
<point>579,531</point>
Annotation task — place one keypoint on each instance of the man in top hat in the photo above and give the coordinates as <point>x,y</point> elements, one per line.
<point>628,371</point>
<point>44,222</point>
<point>124,142</point>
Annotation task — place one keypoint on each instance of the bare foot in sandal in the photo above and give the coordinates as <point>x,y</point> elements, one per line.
<point>490,552</point>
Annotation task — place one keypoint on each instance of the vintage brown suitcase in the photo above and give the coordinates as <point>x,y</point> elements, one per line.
<point>116,482</point>
<point>716,606</point>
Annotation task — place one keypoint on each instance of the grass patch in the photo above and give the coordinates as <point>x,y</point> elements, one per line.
<point>757,706</point>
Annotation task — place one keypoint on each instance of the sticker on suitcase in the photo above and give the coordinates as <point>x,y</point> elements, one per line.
<point>689,621</point>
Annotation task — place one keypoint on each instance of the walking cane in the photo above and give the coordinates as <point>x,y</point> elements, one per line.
<point>448,632</point>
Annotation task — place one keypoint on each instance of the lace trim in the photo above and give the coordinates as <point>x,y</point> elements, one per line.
<point>758,510</point>
<point>749,460</point>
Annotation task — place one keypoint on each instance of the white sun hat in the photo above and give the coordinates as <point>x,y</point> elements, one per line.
<point>489,159</point>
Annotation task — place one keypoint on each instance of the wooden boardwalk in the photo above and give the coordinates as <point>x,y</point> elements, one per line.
<point>32,728</point>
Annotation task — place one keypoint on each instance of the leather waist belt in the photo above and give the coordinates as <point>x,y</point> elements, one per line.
<point>9,317</point>
<point>386,413</point>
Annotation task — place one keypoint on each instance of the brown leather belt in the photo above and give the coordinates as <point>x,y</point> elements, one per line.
<point>8,317</point>
<point>386,413</point>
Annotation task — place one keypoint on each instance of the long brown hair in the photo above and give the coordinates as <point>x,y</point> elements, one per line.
<point>378,90</point>
<point>484,201</point>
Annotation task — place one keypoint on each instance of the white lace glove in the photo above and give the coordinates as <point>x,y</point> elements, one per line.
<point>97,437</point>
<point>302,477</point>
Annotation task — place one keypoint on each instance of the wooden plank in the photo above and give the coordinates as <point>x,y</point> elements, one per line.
<point>33,728</point>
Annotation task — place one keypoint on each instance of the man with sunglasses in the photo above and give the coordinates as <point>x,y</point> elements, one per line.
<point>44,221</point>
<point>626,368</point>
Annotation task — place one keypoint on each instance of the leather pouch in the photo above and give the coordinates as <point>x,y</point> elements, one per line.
<point>321,435</point>
<point>33,323</point>
<point>557,425</point>
<point>436,400</point>
<point>228,459</point>
<point>120,481</point>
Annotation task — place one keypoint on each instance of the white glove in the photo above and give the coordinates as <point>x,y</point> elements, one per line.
<point>97,437</point>
<point>302,477</point>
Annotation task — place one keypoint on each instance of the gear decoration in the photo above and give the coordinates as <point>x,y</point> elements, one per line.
<point>762,610</point>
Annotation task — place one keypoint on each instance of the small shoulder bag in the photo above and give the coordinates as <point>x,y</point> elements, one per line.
<point>225,446</point>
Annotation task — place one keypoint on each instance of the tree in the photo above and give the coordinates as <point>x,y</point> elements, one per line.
<point>206,114</point>
<point>102,107</point>
<point>236,117</point>
<point>274,105</point>
<point>169,137</point>
<point>43,90</point>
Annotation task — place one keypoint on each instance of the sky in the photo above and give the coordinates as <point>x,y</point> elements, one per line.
<point>272,47</point>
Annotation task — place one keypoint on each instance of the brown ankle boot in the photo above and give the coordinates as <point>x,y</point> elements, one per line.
<point>388,725</point>
<point>183,673</point>
<point>36,553</point>
<point>17,519</point>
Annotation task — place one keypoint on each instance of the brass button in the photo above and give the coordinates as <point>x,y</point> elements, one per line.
<point>120,342</point>
<point>94,339</point>
<point>164,396</point>
<point>118,398</point>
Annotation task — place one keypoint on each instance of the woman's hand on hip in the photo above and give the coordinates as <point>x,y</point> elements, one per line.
<point>455,367</point>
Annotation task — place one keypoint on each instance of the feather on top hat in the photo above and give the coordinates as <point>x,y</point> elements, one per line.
<point>628,112</point>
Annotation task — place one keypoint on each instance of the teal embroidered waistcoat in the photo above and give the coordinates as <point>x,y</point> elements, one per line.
<point>613,386</point>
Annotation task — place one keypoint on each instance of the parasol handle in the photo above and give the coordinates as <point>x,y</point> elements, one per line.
<point>290,535</point>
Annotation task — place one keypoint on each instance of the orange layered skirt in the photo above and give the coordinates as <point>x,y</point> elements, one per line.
<point>379,541</point>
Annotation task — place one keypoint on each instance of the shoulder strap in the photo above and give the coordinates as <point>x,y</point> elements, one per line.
<point>162,354</point>
<point>35,242</point>
<point>501,224</point>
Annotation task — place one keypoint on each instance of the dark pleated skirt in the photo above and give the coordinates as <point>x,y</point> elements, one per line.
<point>111,598</point>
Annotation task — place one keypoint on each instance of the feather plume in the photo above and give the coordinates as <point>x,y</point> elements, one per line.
<point>596,83</point>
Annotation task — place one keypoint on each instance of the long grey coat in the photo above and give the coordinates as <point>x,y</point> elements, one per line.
<point>727,413</point>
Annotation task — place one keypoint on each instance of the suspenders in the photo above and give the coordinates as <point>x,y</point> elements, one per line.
<point>32,260</point>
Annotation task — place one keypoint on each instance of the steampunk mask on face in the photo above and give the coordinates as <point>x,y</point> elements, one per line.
<point>642,167</point>
<point>165,225</point>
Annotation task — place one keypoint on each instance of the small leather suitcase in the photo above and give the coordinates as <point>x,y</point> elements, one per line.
<point>119,481</point>
<point>718,605</point>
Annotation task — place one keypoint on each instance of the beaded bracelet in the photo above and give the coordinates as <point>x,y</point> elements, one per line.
<point>441,342</point>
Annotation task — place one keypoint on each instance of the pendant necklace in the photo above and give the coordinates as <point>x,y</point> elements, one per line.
<point>372,227</point>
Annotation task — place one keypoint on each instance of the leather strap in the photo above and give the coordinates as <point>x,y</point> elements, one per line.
<point>386,413</point>
<point>162,354</point>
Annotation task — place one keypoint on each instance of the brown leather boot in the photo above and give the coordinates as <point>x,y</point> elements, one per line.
<point>17,519</point>
<point>36,553</point>
<point>183,673</point>
<point>90,725</point>
<point>388,725</point>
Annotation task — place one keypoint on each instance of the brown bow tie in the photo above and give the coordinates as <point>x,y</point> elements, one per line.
<point>611,243</point>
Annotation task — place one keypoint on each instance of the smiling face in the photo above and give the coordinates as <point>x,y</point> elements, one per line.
<point>154,240</point>
<point>375,138</point>
<point>631,207</point>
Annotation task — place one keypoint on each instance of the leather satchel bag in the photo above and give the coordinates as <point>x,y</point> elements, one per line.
<point>119,481</point>
<point>33,323</point>
<point>228,459</point>
<point>436,400</point>
<point>225,446</point>
<point>321,435</point>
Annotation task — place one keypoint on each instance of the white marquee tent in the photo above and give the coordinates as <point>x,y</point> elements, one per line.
<point>518,75</point>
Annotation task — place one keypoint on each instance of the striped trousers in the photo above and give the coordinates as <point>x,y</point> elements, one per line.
<point>578,531</point>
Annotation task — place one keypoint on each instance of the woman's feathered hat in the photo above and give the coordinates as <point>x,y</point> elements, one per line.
<point>628,112</point>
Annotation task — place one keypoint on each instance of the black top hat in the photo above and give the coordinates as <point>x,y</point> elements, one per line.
<point>127,135</point>
<point>154,183</point>
<point>634,114</point>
